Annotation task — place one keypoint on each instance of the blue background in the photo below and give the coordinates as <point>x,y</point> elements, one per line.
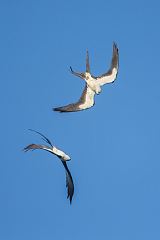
<point>114,145</point>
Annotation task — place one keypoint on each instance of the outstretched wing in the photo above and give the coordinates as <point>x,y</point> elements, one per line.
<point>111,75</point>
<point>86,101</point>
<point>43,137</point>
<point>82,75</point>
<point>69,182</point>
<point>37,146</point>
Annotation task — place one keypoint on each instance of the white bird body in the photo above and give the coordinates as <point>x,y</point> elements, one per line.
<point>57,152</point>
<point>60,153</point>
<point>92,83</point>
<point>88,99</point>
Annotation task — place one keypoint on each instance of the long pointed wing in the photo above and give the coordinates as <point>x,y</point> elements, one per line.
<point>85,101</point>
<point>87,63</point>
<point>69,182</point>
<point>82,75</point>
<point>111,75</point>
<point>43,137</point>
<point>37,146</point>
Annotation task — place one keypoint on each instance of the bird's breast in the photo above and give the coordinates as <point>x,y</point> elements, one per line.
<point>94,86</point>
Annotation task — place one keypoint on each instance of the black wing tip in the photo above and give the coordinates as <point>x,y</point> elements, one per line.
<point>115,47</point>
<point>28,148</point>
<point>71,69</point>
<point>55,109</point>
<point>65,109</point>
<point>25,149</point>
<point>70,199</point>
<point>70,192</point>
<point>58,109</point>
<point>32,130</point>
<point>70,196</point>
<point>115,56</point>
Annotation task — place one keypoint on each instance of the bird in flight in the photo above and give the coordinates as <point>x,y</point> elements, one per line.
<point>93,84</point>
<point>60,154</point>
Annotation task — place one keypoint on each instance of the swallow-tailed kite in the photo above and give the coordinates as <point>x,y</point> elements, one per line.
<point>60,154</point>
<point>93,84</point>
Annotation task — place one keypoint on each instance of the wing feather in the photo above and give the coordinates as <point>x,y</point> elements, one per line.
<point>43,137</point>
<point>69,182</point>
<point>37,146</point>
<point>86,101</point>
<point>111,75</point>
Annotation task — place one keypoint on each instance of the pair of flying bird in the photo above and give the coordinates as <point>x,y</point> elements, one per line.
<point>93,86</point>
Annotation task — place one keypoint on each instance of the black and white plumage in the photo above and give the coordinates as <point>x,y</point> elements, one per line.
<point>60,154</point>
<point>93,84</point>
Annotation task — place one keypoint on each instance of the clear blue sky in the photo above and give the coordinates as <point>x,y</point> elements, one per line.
<point>114,146</point>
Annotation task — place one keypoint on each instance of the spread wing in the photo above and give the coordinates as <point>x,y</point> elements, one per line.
<point>111,75</point>
<point>82,75</point>
<point>43,137</point>
<point>37,146</point>
<point>86,101</point>
<point>69,182</point>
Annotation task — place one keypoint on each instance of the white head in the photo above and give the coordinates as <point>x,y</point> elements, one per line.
<point>66,157</point>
